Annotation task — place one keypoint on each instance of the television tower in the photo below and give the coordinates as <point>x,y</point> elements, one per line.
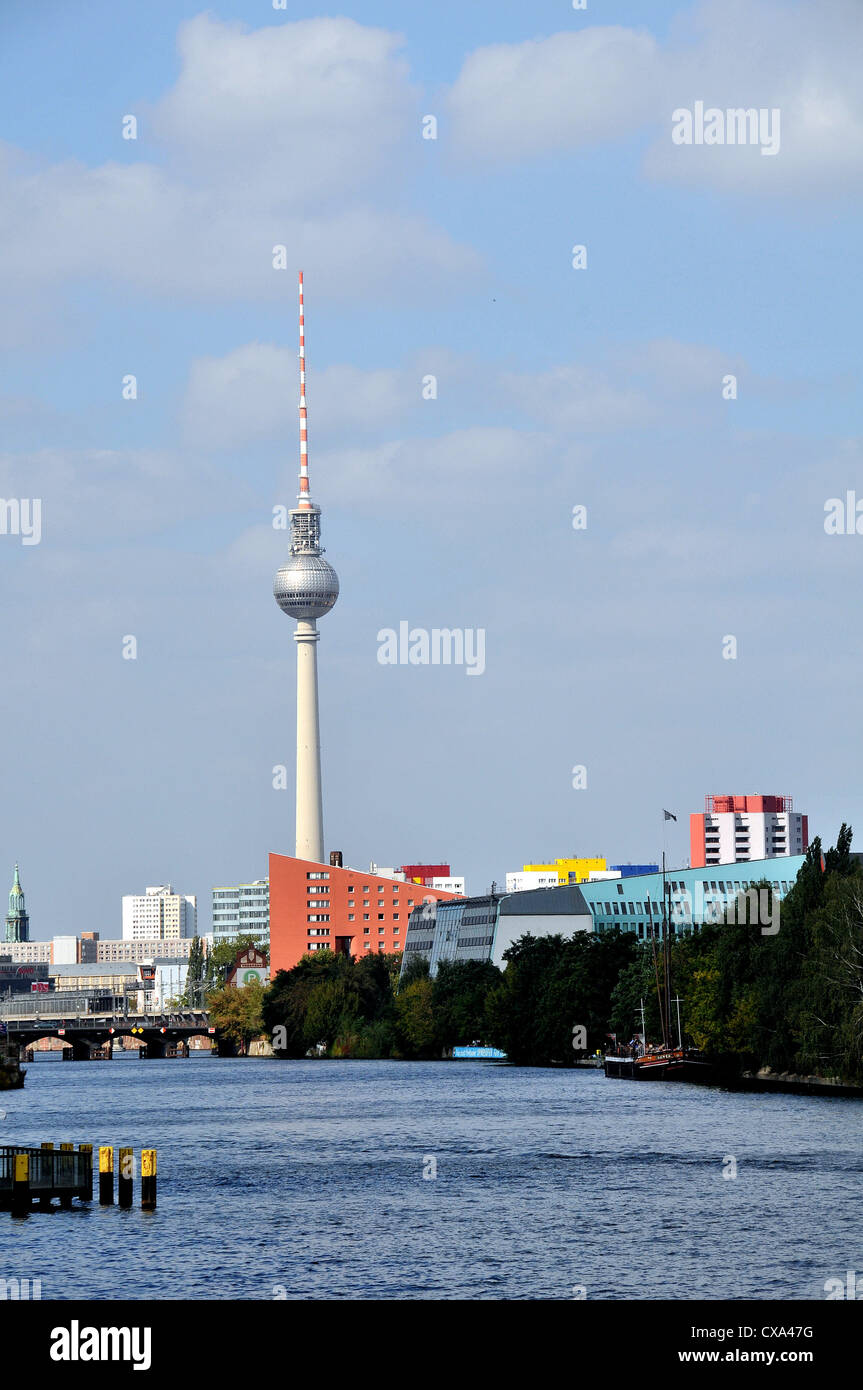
<point>306,587</point>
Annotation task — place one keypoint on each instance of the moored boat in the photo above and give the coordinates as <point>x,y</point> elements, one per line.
<point>643,1061</point>
<point>660,1064</point>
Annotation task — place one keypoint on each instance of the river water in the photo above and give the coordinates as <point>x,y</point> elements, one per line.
<point>305,1180</point>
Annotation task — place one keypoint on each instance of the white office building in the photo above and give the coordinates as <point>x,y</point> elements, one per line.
<point>526,879</point>
<point>159,914</point>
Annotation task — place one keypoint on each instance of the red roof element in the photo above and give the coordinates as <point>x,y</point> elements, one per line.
<point>719,805</point>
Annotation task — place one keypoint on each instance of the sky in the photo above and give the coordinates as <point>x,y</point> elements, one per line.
<point>604,386</point>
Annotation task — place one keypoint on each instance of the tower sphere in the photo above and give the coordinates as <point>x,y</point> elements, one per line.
<point>306,586</point>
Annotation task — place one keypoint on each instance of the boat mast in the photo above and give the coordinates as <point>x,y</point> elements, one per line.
<point>653,931</point>
<point>665,1002</point>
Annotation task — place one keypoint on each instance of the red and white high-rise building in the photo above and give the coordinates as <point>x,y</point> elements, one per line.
<point>734,829</point>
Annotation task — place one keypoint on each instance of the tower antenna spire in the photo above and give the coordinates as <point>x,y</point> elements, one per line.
<point>304,498</point>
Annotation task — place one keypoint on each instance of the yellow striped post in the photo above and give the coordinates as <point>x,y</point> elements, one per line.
<point>148,1179</point>
<point>127,1173</point>
<point>21,1184</point>
<point>106,1176</point>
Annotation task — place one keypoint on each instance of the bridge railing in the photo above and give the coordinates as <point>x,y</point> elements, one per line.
<point>62,1003</point>
<point>51,1170</point>
<point>66,1005</point>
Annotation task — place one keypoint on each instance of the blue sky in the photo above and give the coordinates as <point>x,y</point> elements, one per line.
<point>555,387</point>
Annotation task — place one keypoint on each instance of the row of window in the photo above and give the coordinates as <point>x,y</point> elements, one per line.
<point>327,902</point>
<point>325,931</point>
<point>654,908</point>
<point>352,916</point>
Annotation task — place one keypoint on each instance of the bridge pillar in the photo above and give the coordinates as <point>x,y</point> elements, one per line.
<point>153,1047</point>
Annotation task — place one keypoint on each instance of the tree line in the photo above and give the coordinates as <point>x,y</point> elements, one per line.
<point>792,1001</point>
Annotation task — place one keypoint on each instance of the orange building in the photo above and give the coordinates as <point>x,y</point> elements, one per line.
<point>315,907</point>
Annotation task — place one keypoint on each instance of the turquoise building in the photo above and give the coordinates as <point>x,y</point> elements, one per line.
<point>483,928</point>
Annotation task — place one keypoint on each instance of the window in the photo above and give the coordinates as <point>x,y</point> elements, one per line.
<point>395,931</point>
<point>381,902</point>
<point>351,916</point>
<point>366,931</point>
<point>395,918</point>
<point>350,888</point>
<point>351,902</point>
<point>620,887</point>
<point>410,902</point>
<point>365,916</point>
<point>317,875</point>
<point>380,916</point>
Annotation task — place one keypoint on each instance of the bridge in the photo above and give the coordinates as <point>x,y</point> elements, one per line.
<point>89,1022</point>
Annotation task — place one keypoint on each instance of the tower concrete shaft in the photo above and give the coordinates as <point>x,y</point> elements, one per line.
<point>310,801</point>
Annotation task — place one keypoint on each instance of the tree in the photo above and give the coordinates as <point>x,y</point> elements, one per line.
<point>459,993</point>
<point>237,1013</point>
<point>193,994</point>
<point>416,1017</point>
<point>550,987</point>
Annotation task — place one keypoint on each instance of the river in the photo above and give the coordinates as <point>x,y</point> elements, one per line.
<point>305,1180</point>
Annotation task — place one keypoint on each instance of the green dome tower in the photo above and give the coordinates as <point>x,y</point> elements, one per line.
<point>17,921</point>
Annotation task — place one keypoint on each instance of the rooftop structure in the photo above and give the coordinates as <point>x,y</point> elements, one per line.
<point>734,829</point>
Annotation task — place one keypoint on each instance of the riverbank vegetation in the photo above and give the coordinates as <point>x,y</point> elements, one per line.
<point>791,1001</point>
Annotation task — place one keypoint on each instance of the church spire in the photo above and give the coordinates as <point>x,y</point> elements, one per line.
<point>17,920</point>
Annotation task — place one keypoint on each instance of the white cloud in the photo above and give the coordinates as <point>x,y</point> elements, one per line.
<point>479,466</point>
<point>580,398</point>
<point>102,497</point>
<point>798,58</point>
<point>298,136</point>
<point>251,394</point>
<point>320,106</point>
<point>517,101</point>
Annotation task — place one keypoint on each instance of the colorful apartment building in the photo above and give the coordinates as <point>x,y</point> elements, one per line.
<point>316,907</point>
<point>735,829</point>
<point>553,874</point>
